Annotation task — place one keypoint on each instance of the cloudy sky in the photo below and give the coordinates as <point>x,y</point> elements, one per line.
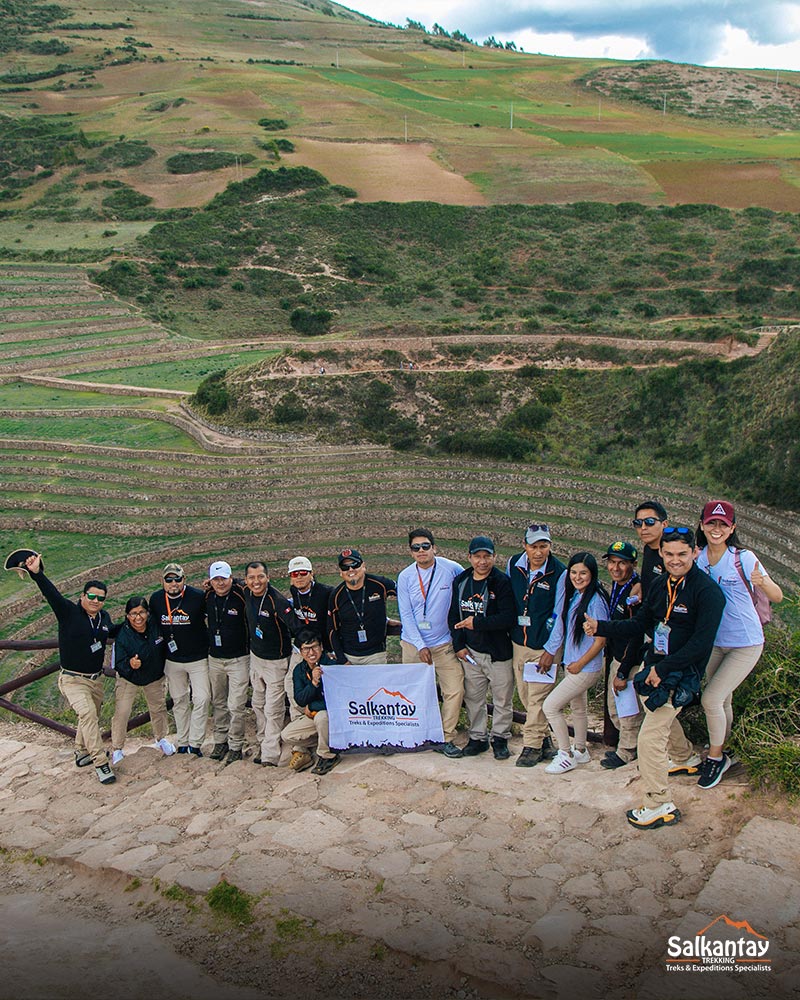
<point>746,33</point>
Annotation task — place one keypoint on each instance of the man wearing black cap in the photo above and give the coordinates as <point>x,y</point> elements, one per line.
<point>228,661</point>
<point>84,628</point>
<point>481,618</point>
<point>180,612</point>
<point>622,655</point>
<point>537,579</point>
<point>357,612</point>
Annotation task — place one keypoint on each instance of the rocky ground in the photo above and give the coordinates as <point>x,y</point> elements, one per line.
<point>409,876</point>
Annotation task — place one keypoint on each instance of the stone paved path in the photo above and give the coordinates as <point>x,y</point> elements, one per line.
<point>530,884</point>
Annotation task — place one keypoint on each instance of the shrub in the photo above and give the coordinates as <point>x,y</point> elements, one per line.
<point>289,410</point>
<point>228,900</point>
<point>213,394</point>
<point>311,322</point>
<point>273,124</point>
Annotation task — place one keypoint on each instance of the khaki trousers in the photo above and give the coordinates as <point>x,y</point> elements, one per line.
<point>230,680</point>
<point>727,668</point>
<point>125,694</point>
<point>85,698</point>
<point>532,697</point>
<point>478,678</point>
<point>628,725</point>
<point>304,731</point>
<point>268,678</point>
<point>449,677</point>
<point>571,691</point>
<point>183,680</point>
<point>661,739</point>
<point>369,658</point>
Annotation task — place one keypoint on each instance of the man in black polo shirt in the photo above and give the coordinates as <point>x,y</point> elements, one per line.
<point>650,519</point>
<point>84,628</point>
<point>228,661</point>
<point>181,615</point>
<point>682,611</point>
<point>310,601</point>
<point>270,621</point>
<point>357,612</point>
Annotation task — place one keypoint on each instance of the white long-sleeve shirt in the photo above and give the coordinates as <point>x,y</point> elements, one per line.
<point>432,606</point>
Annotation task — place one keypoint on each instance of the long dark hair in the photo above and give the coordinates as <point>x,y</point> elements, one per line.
<point>594,587</point>
<point>701,541</point>
<point>136,602</point>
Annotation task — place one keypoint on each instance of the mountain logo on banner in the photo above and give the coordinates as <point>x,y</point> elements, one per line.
<point>384,702</point>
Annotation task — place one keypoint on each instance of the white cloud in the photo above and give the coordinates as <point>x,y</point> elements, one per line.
<point>762,33</point>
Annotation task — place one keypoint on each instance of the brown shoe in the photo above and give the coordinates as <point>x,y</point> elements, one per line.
<point>301,760</point>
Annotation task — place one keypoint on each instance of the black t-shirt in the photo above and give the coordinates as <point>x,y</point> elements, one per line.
<point>227,620</point>
<point>183,621</point>
<point>78,632</point>
<point>270,620</point>
<point>311,610</point>
<point>652,569</point>
<point>362,610</point>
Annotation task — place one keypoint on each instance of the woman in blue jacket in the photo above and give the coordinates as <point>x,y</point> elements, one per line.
<point>139,654</point>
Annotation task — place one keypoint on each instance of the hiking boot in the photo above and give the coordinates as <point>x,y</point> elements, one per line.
<point>451,750</point>
<point>105,775</point>
<point>529,757</point>
<point>690,766</point>
<point>116,757</point>
<point>500,748</point>
<point>219,751</point>
<point>183,750</point>
<point>652,819</point>
<point>195,751</point>
<point>82,758</point>
<point>612,760</point>
<point>325,764</point>
<point>711,771</point>
<point>233,756</point>
<point>301,760</point>
<point>474,747</point>
<point>548,750</point>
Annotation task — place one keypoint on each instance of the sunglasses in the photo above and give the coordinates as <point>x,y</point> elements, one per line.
<point>421,547</point>
<point>172,579</point>
<point>95,597</point>
<point>300,572</point>
<point>539,527</point>
<point>679,532</point>
<point>346,566</point>
<point>638,522</point>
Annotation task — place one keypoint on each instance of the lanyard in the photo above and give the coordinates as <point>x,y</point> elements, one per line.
<point>423,589</point>
<point>618,589</point>
<point>169,606</point>
<point>95,625</point>
<point>359,614</point>
<point>678,585</point>
<point>220,618</point>
<point>537,576</point>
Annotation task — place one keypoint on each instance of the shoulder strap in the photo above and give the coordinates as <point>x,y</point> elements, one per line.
<point>737,562</point>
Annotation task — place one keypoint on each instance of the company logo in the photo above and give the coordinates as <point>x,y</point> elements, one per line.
<point>725,945</point>
<point>383,704</point>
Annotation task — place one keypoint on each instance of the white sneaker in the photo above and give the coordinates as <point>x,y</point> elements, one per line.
<point>166,747</point>
<point>690,766</point>
<point>652,819</point>
<point>581,756</point>
<point>563,761</point>
<point>116,757</point>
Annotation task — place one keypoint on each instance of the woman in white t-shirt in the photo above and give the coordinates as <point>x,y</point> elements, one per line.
<point>740,638</point>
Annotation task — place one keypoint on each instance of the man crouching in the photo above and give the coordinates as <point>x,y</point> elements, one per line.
<point>313,723</point>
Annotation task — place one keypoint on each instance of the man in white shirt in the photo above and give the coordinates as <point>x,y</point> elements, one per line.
<point>424,590</point>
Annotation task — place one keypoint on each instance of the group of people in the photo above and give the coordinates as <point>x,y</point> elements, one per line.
<point>693,608</point>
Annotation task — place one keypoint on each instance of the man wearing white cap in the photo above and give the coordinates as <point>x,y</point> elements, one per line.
<point>310,602</point>
<point>228,661</point>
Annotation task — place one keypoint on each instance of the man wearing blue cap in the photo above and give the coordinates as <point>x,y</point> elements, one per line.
<point>481,617</point>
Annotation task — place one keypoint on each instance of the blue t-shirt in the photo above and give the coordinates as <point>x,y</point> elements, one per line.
<point>740,625</point>
<point>574,650</point>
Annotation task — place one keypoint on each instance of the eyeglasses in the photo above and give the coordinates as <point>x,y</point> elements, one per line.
<point>300,572</point>
<point>421,547</point>
<point>95,597</point>
<point>137,614</point>
<point>310,647</point>
<point>679,532</point>
<point>172,579</point>
<point>649,521</point>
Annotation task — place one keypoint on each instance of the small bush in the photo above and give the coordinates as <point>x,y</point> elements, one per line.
<point>311,322</point>
<point>227,900</point>
<point>273,124</point>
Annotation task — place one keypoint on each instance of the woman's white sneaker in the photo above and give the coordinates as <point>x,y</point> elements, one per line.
<point>581,756</point>
<point>116,757</point>
<point>563,761</point>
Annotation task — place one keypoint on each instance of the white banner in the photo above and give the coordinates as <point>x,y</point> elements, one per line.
<point>380,705</point>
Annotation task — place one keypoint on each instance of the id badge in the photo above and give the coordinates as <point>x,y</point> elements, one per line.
<point>259,633</point>
<point>661,638</point>
<point>424,626</point>
<point>96,647</point>
<point>523,620</point>
<point>362,635</point>
<point>172,646</point>
<point>217,639</point>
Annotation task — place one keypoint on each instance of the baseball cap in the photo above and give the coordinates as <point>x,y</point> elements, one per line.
<point>219,568</point>
<point>300,563</point>
<point>622,550</point>
<point>481,543</point>
<point>350,555</point>
<point>719,510</point>
<point>175,568</point>
<point>537,533</point>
